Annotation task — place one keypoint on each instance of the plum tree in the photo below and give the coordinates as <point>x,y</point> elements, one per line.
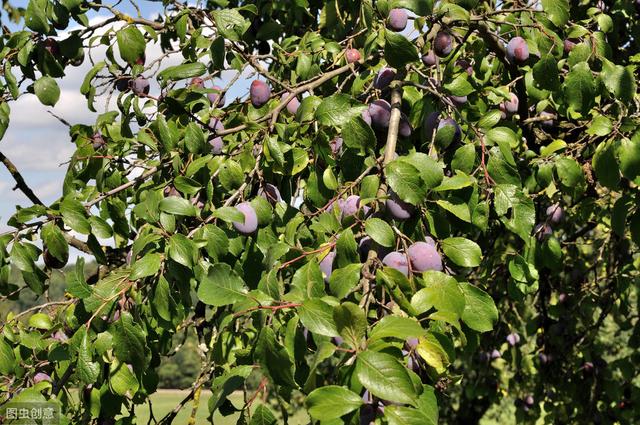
<point>517,50</point>
<point>352,55</point>
<point>250,224</point>
<point>397,20</point>
<point>423,257</point>
<point>139,86</point>
<point>259,92</point>
<point>398,261</point>
<point>429,58</point>
<point>397,208</point>
<point>442,44</point>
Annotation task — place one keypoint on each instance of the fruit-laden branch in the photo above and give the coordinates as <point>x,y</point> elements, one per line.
<point>20,183</point>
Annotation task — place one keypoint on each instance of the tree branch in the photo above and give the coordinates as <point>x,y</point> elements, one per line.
<point>20,183</point>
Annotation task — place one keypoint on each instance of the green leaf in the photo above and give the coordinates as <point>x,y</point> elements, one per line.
<point>87,370</point>
<point>431,171</point>
<point>351,323</point>
<point>274,359</point>
<point>317,316</point>
<point>546,74</point>
<point>231,174</point>
<point>40,321</point>
<point>76,283</point>
<point>182,250</point>
<point>557,11</point>
<point>498,135</point>
<point>55,242</point>
<point>131,44</point>
<point>462,251</point>
<point>338,110</point>
<point>579,88</point>
<point>122,380</point>
<point>221,286</point>
<point>419,7</point>
<point>522,216</point>
<point>629,158</point>
<point>22,257</point>
<point>619,80</point>
<point>396,327</point>
<point>480,312</point>
<point>74,216</point>
<point>605,165</point>
<point>405,181</point>
<point>309,281</point>
<point>570,174</point>
<point>7,358</point>
<point>385,377</point>
<point>398,51</point>
<point>459,181</point>
<point>36,16</point>
<point>358,135</point>
<point>344,279</point>
<point>129,341</point>
<point>230,23</point>
<point>146,266</point>
<point>441,292</point>
<point>437,350</point>
<point>380,231</point>
<point>47,90</point>
<point>460,86</point>
<point>178,206</point>
<point>263,416</point>
<point>180,72</point>
<point>331,402</point>
<point>194,138</point>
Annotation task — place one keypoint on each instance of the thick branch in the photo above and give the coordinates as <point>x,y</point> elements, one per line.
<point>20,183</point>
<point>394,124</point>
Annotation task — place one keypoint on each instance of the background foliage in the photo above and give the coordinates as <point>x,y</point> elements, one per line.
<point>516,159</point>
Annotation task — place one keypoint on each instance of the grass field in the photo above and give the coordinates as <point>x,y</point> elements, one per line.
<point>165,400</point>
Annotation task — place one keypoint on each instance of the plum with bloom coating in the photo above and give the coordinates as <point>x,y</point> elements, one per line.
<point>384,78</point>
<point>397,208</point>
<point>429,59</point>
<point>380,113</point>
<point>513,339</point>
<point>352,55</point>
<point>259,92</point>
<point>218,94</point>
<point>555,213</point>
<point>517,50</point>
<point>398,261</point>
<point>442,44</point>
<point>397,20</point>
<point>140,86</point>
<point>250,224</point>
<point>424,257</point>
<point>271,193</point>
<point>326,265</point>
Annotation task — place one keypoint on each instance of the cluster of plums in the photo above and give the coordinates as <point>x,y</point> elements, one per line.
<point>554,214</point>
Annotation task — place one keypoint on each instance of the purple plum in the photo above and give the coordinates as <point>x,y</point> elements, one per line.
<point>326,265</point>
<point>41,376</point>
<point>555,214</point>
<point>271,193</point>
<point>250,224</point>
<point>542,231</point>
<point>352,55</point>
<point>139,86</point>
<point>442,44</point>
<point>510,107</point>
<point>380,112</point>
<point>292,105</point>
<point>397,20</point>
<point>336,145</point>
<point>517,50</point>
<point>495,354</point>
<point>513,339</point>
<point>458,100</point>
<point>97,141</point>
<point>397,260</point>
<point>366,116</point>
<point>568,45</point>
<point>384,78</point>
<point>397,208</point>
<point>196,82</point>
<point>218,94</point>
<point>404,128</point>
<point>424,257</point>
<point>367,244</point>
<point>259,92</point>
<point>430,58</point>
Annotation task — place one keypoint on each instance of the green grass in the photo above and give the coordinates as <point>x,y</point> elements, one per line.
<point>165,400</point>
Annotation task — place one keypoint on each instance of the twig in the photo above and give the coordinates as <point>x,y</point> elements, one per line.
<point>20,183</point>
<point>122,187</point>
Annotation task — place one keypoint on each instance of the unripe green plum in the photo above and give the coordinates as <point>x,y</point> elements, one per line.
<point>397,20</point>
<point>259,92</point>
<point>442,44</point>
<point>397,260</point>
<point>250,224</point>
<point>517,50</point>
